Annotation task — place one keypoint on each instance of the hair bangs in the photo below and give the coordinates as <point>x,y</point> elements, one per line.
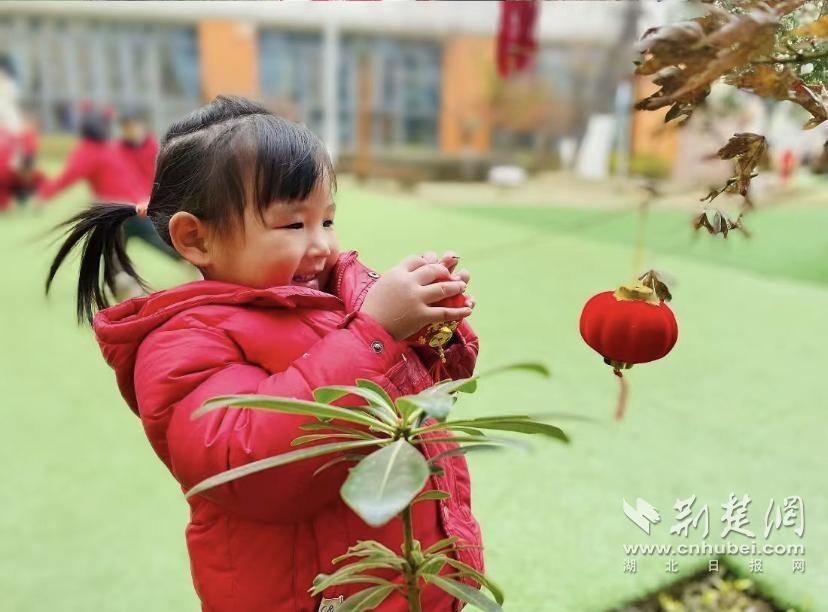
<point>290,162</point>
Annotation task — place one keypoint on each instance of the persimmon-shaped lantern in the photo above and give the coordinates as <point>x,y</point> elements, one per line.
<point>438,335</point>
<point>627,326</point>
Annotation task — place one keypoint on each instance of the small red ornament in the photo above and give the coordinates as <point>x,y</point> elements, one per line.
<point>438,335</point>
<point>627,326</point>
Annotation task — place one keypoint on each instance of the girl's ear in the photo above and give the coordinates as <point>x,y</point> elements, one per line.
<point>190,238</point>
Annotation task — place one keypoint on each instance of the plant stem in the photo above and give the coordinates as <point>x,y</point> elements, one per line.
<point>412,589</point>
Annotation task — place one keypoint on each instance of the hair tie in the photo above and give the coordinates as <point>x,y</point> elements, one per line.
<point>141,209</point>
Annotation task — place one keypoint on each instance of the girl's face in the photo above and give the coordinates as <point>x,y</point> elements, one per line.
<point>296,245</point>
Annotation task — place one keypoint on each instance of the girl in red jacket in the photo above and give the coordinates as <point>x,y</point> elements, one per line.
<point>247,197</point>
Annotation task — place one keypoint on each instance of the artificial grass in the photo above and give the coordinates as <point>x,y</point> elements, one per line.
<point>92,520</point>
<point>785,240</point>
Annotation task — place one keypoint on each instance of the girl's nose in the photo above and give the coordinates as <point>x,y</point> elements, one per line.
<point>319,245</point>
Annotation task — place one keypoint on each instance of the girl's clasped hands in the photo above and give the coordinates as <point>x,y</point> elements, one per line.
<point>403,299</point>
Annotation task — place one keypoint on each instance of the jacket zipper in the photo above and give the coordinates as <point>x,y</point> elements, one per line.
<point>347,261</point>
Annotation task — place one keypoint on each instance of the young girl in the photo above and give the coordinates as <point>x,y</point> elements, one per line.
<point>246,196</point>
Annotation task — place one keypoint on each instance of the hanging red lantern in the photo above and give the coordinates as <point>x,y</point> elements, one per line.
<point>517,43</point>
<point>627,326</point>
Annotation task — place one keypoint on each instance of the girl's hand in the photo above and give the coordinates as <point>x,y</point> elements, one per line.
<point>400,300</point>
<point>450,260</point>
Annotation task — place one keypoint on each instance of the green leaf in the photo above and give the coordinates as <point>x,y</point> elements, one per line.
<point>537,368</point>
<point>440,545</point>
<point>365,579</point>
<point>433,565</point>
<point>527,427</point>
<point>335,427</point>
<point>370,384</point>
<point>365,548</point>
<point>437,405</point>
<point>385,482</point>
<point>431,494</point>
<point>313,438</point>
<point>464,450</point>
<point>292,406</point>
<point>463,592</point>
<point>464,424</point>
<point>347,457</point>
<point>406,408</point>
<point>469,430</point>
<point>366,600</point>
<point>512,442</point>
<point>324,581</point>
<point>376,402</point>
<point>463,385</point>
<point>485,581</point>
<point>520,424</point>
<point>271,462</point>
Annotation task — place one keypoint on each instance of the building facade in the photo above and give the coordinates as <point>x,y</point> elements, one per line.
<point>413,77</point>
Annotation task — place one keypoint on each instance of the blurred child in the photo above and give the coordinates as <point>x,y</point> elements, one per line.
<point>138,145</point>
<point>114,178</point>
<point>98,162</point>
<point>247,197</point>
<point>7,154</point>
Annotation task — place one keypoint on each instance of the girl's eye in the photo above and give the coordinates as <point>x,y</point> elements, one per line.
<point>328,223</point>
<point>293,226</point>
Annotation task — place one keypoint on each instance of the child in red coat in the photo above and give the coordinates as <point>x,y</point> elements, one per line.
<point>113,177</point>
<point>138,145</point>
<point>8,148</point>
<point>98,161</point>
<point>247,197</point>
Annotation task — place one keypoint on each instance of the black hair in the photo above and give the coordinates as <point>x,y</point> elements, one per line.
<point>132,113</point>
<point>7,65</point>
<point>204,164</point>
<point>95,125</point>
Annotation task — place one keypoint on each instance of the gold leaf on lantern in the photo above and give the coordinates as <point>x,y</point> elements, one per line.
<point>656,281</point>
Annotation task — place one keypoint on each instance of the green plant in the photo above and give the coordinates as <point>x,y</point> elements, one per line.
<point>389,480</point>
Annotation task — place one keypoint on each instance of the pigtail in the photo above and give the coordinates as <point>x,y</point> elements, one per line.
<point>99,229</point>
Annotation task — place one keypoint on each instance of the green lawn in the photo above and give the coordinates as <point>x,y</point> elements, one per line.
<point>92,520</point>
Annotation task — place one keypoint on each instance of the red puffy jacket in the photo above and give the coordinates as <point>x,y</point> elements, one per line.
<point>256,544</point>
<point>142,157</point>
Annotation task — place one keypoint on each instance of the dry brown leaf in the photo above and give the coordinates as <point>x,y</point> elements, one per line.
<point>717,222</point>
<point>810,101</point>
<point>687,57</point>
<point>747,149</point>
<point>766,81</point>
<point>737,42</point>
<point>817,29</point>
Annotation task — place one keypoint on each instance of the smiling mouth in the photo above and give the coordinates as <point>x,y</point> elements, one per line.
<point>305,278</point>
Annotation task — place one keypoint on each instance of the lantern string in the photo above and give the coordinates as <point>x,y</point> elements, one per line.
<point>623,392</point>
<point>638,249</point>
